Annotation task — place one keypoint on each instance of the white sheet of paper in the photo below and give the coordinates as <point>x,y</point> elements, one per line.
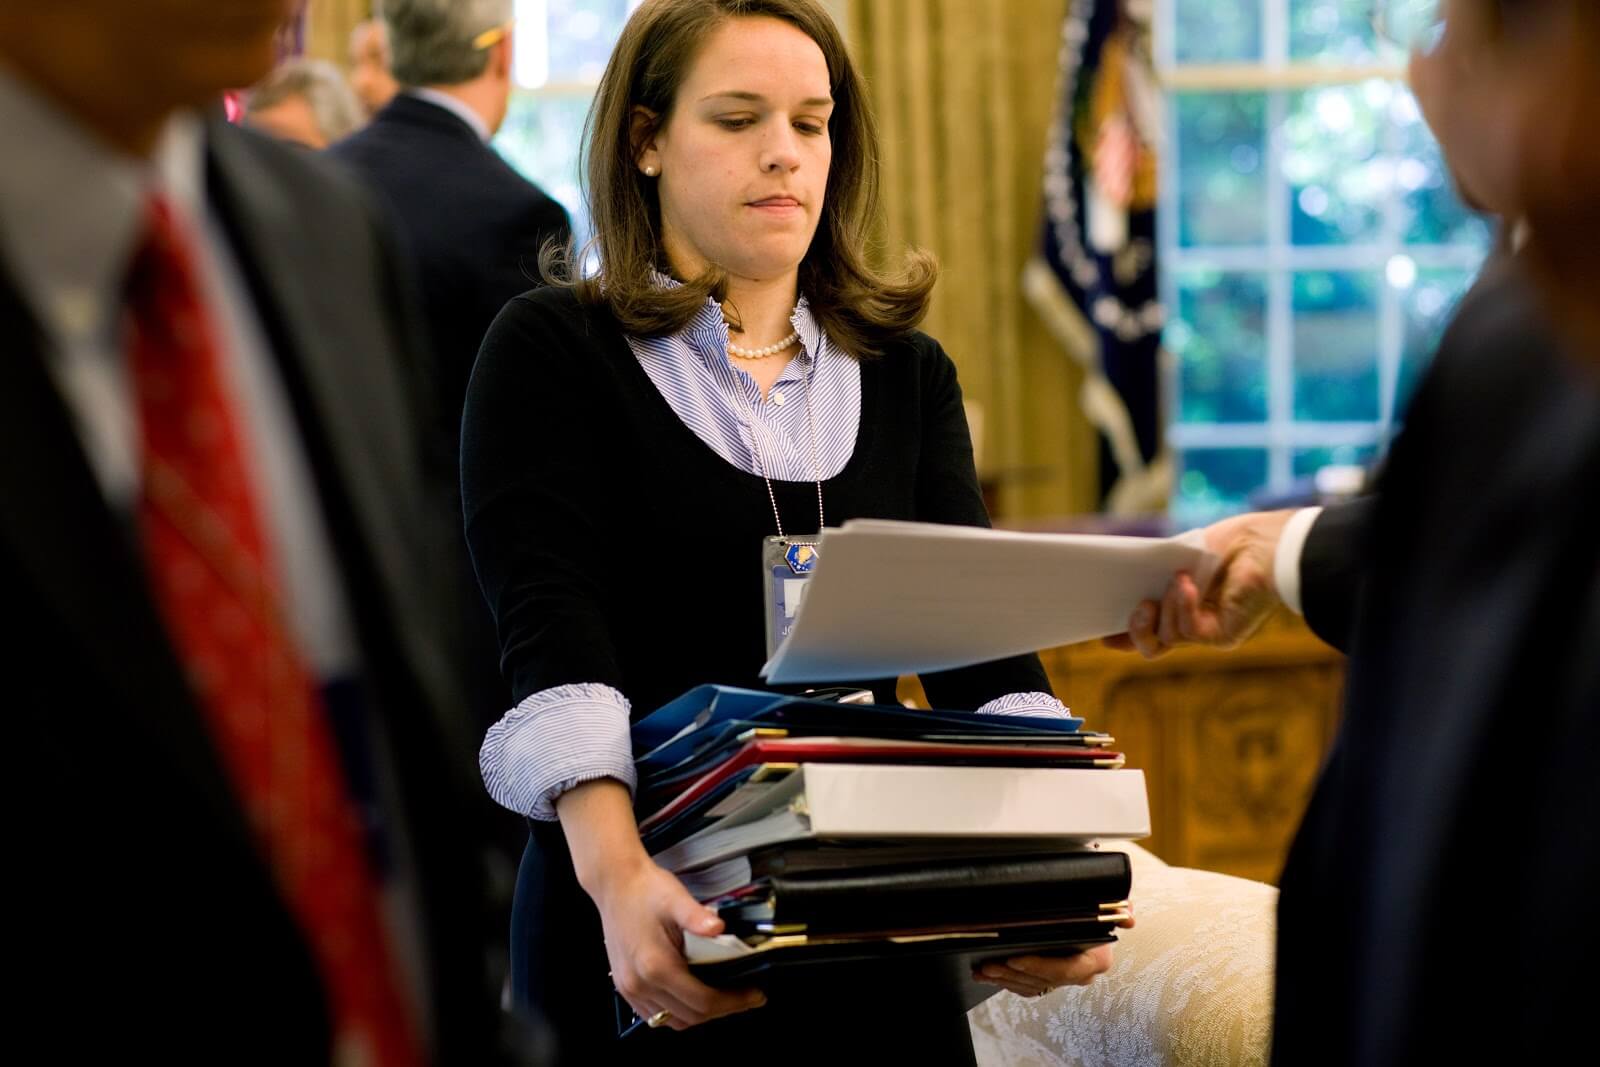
<point>700,949</point>
<point>892,598</point>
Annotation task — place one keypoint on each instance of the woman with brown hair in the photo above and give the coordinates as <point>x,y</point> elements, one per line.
<point>632,441</point>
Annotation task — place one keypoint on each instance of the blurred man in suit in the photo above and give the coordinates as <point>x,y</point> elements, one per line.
<point>245,819</point>
<point>370,76</point>
<point>1438,903</point>
<point>471,226</point>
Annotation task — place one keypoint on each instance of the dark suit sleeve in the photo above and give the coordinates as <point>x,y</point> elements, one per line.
<point>1333,567</point>
<point>417,359</point>
<point>533,509</point>
<point>947,492</point>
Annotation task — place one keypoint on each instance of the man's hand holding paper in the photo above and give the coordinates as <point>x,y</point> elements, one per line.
<point>892,598</point>
<point>1223,612</point>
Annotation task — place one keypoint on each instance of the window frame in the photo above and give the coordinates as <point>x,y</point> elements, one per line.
<point>1278,259</point>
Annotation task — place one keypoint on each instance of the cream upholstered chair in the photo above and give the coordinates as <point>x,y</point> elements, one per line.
<point>1192,984</point>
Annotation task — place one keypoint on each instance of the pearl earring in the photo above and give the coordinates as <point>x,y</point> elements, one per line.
<point>649,170</point>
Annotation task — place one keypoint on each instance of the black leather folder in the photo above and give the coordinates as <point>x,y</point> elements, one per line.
<point>985,891</point>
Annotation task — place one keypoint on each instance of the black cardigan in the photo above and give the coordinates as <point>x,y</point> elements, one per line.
<point>614,546</point>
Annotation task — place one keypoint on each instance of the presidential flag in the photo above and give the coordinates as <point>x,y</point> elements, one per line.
<point>1093,278</point>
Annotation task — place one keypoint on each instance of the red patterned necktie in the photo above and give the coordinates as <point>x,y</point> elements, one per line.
<point>213,577</point>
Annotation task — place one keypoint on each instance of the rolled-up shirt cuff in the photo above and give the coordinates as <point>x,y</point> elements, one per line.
<point>1039,705</point>
<point>1286,560</point>
<point>554,740</point>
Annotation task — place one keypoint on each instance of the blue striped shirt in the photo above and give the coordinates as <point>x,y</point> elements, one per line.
<point>560,737</point>
<point>724,407</point>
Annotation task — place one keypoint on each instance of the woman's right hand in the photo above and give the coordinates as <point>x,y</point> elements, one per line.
<point>644,911</point>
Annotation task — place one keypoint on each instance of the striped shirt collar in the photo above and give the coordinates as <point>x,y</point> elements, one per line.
<point>707,333</point>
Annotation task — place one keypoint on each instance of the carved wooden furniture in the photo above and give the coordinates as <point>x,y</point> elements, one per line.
<point>1230,742</point>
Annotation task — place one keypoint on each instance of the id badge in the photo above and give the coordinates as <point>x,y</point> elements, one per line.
<point>786,565</point>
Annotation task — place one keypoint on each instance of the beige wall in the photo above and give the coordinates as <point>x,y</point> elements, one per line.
<point>963,90</point>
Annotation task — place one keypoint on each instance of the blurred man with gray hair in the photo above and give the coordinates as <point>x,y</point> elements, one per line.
<point>470,224</point>
<point>304,101</point>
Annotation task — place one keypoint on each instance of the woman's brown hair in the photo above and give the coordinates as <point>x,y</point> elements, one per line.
<point>859,306</point>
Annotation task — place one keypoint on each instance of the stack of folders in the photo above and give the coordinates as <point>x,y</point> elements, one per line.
<point>830,834</point>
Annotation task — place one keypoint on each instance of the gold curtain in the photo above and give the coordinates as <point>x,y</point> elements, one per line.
<point>963,91</point>
<point>328,26</point>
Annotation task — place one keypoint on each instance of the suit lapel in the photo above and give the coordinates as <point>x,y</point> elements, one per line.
<point>342,369</point>
<point>82,568</point>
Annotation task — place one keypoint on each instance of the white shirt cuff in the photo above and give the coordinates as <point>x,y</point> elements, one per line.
<point>1286,561</point>
<point>556,739</point>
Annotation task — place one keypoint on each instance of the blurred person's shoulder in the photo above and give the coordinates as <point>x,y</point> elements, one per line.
<point>388,140</point>
<point>1502,349</point>
<point>525,200</point>
<point>1505,407</point>
<point>297,191</point>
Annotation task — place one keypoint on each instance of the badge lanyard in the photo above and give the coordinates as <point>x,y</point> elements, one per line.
<point>787,563</point>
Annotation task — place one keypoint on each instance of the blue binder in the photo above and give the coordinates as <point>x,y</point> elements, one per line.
<point>678,729</point>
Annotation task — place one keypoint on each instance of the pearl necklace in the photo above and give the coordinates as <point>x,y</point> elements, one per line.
<point>762,353</point>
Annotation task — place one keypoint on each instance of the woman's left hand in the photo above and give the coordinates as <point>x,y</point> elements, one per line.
<point>1034,976</point>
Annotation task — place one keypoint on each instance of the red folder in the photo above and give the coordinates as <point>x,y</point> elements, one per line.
<point>794,750</point>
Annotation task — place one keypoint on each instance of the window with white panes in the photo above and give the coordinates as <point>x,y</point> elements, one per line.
<point>1312,245</point>
<point>561,51</point>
